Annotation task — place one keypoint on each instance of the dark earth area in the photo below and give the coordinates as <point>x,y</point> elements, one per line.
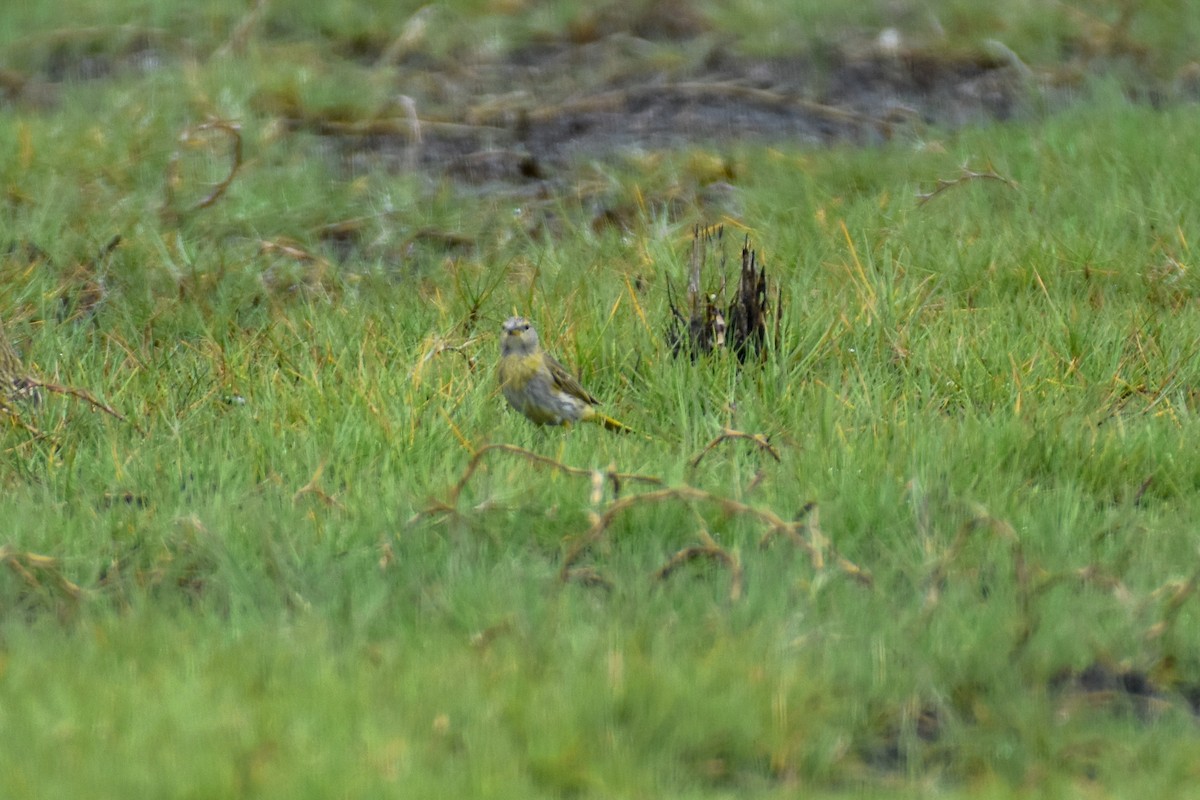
<point>662,79</point>
<point>545,106</point>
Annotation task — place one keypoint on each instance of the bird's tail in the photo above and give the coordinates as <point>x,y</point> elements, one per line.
<point>609,423</point>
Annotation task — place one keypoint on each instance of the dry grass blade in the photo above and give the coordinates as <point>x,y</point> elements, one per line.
<point>435,348</point>
<point>86,396</point>
<point>481,639</point>
<point>1141,492</point>
<point>233,132</point>
<point>587,576</point>
<point>729,433</point>
<point>411,35</point>
<point>29,567</point>
<point>15,418</point>
<point>1179,595</point>
<point>613,477</point>
<point>85,288</point>
<point>814,545</point>
<point>712,551</point>
<point>980,519</point>
<point>313,487</point>
<point>791,530</point>
<point>966,176</point>
<point>18,387</point>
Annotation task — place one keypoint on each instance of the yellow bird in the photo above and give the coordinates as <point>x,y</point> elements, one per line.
<point>535,384</point>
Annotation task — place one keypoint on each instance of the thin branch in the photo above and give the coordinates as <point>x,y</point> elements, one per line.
<point>27,566</point>
<point>813,546</point>
<point>755,482</point>
<point>966,176</point>
<point>710,550</point>
<point>809,509</point>
<point>804,533</point>
<point>230,129</point>
<point>84,395</point>
<point>614,477</point>
<point>15,416</point>
<point>1141,492</point>
<point>439,346</point>
<point>729,433</point>
<point>1170,613</point>
<point>588,577</point>
<point>313,487</point>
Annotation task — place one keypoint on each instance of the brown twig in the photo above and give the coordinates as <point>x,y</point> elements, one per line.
<point>614,477</point>
<point>755,482</point>
<point>230,129</point>
<point>27,566</point>
<point>966,176</point>
<point>85,396</point>
<point>792,531</point>
<point>980,519</point>
<point>813,546</point>
<point>729,433</point>
<point>1178,596</point>
<point>439,346</point>
<point>15,416</point>
<point>588,577</point>
<point>313,487</point>
<point>710,550</point>
<point>1141,492</point>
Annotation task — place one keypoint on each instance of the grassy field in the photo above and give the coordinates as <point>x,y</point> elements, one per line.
<point>966,566</point>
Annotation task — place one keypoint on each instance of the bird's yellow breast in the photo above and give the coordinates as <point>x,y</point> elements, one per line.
<point>515,371</point>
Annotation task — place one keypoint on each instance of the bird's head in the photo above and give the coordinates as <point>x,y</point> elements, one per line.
<point>518,337</point>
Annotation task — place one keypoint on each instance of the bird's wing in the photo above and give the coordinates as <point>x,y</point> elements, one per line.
<point>565,381</point>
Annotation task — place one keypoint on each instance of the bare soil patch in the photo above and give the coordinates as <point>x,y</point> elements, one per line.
<point>523,117</point>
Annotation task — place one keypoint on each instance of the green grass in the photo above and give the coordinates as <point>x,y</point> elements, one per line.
<point>990,397</point>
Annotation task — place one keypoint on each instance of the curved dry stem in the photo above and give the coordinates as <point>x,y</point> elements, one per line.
<point>966,176</point>
<point>614,477</point>
<point>814,545</point>
<point>231,130</point>
<point>712,551</point>
<point>450,504</point>
<point>587,576</point>
<point>29,566</point>
<point>85,396</point>
<point>729,433</point>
